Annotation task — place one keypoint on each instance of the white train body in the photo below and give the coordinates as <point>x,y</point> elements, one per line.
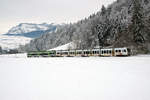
<point>121,51</point>
<point>108,52</point>
<point>95,52</point>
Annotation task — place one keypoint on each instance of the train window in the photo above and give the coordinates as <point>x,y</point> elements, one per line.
<point>51,53</point>
<point>44,54</point>
<point>116,50</point>
<point>87,52</point>
<point>124,51</point>
<point>104,51</point>
<point>93,52</point>
<point>110,51</point>
<point>119,50</point>
<point>34,54</point>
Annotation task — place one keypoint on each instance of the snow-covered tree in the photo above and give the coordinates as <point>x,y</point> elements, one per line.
<point>103,10</point>
<point>137,23</point>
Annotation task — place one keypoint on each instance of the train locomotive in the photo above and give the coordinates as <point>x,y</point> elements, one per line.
<point>109,52</point>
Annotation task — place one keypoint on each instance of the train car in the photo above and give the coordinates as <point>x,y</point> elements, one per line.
<point>41,54</point>
<point>58,53</point>
<point>107,52</point>
<point>65,53</point>
<point>79,53</point>
<point>122,51</point>
<point>86,53</point>
<point>95,52</point>
<point>72,53</point>
<point>33,54</point>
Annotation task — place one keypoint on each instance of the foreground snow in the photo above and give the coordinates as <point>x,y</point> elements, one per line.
<point>93,78</point>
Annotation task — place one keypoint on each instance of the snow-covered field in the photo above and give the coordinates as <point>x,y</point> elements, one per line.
<point>91,78</point>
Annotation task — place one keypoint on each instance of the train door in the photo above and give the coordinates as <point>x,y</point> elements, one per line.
<point>113,52</point>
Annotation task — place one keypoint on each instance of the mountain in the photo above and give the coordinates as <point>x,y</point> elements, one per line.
<point>24,33</point>
<point>31,30</point>
<point>111,26</point>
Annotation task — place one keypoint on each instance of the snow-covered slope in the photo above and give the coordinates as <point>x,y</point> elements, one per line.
<point>67,46</point>
<point>92,78</point>
<point>11,42</point>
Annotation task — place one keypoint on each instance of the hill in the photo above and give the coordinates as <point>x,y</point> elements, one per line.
<point>23,33</point>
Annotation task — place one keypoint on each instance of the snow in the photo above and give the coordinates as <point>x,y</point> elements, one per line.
<point>67,46</point>
<point>28,27</point>
<point>76,78</point>
<point>11,42</point>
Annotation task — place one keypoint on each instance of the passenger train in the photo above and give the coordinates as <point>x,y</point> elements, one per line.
<point>82,53</point>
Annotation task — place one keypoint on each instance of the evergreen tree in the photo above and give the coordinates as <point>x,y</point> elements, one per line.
<point>103,10</point>
<point>104,30</point>
<point>137,23</point>
<point>146,1</point>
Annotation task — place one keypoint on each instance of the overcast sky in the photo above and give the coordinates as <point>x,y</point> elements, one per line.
<point>13,12</point>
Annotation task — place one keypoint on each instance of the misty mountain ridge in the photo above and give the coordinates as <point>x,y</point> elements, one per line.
<point>31,30</point>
